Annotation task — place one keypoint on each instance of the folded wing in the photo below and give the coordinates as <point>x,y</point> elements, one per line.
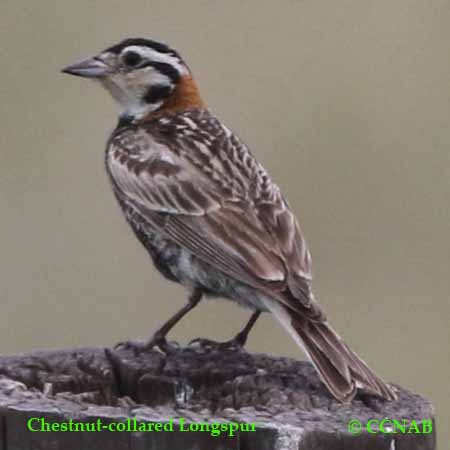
<point>206,192</point>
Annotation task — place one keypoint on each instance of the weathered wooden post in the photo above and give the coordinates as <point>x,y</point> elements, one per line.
<point>283,398</point>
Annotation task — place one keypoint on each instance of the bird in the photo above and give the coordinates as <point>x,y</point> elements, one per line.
<point>208,213</point>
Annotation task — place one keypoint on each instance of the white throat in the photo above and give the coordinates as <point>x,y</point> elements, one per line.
<point>130,92</point>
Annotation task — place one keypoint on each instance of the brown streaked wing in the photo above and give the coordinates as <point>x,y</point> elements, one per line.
<point>149,174</point>
<point>219,203</point>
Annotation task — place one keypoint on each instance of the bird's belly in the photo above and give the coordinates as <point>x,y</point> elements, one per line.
<point>191,271</point>
<point>180,265</point>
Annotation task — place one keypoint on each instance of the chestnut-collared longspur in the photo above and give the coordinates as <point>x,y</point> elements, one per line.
<point>207,212</point>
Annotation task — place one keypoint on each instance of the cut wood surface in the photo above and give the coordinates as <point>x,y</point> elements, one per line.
<point>283,397</point>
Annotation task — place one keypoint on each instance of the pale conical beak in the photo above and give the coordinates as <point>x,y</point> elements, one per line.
<point>88,68</point>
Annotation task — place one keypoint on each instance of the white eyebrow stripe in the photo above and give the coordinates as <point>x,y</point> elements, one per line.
<point>154,55</point>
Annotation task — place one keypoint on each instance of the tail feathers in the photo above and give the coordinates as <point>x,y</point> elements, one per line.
<point>331,366</point>
<point>341,369</point>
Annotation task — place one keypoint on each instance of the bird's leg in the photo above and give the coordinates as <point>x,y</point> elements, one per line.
<point>159,337</point>
<point>238,341</point>
<point>241,338</point>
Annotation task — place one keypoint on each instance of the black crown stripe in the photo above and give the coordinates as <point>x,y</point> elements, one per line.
<point>158,46</point>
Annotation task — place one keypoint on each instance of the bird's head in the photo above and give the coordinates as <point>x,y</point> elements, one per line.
<point>143,76</point>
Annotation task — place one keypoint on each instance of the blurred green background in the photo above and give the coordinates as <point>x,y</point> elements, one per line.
<point>347,105</point>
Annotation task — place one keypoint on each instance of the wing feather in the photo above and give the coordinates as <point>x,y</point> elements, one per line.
<point>204,190</point>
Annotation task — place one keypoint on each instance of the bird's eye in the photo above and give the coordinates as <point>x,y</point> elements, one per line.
<point>132,59</point>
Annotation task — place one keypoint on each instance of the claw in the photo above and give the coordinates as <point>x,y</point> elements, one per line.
<point>233,344</point>
<point>139,347</point>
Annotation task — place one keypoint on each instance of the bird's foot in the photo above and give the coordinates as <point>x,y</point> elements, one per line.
<point>236,344</point>
<point>156,342</point>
